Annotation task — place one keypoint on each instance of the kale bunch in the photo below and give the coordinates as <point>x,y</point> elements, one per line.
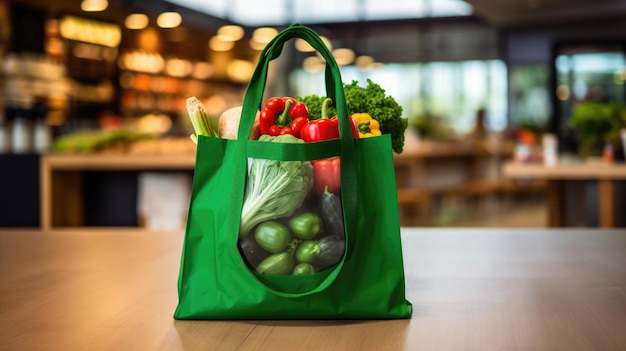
<point>372,100</point>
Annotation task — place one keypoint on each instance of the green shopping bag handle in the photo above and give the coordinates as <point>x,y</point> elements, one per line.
<point>334,89</point>
<point>334,84</point>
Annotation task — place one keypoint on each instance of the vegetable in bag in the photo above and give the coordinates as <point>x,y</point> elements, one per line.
<point>274,189</point>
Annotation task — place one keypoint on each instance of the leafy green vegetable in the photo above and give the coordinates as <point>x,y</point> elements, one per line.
<point>314,105</point>
<point>274,188</point>
<point>372,100</point>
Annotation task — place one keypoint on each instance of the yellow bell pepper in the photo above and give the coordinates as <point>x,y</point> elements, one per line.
<point>367,126</point>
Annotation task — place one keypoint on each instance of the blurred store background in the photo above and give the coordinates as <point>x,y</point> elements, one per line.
<point>482,83</point>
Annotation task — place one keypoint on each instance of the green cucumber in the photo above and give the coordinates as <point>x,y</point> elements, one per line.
<point>280,263</point>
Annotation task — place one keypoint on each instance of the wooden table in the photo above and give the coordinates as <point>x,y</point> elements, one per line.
<point>483,289</point>
<point>604,174</point>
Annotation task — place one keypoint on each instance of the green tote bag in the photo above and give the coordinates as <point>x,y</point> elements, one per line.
<point>216,282</point>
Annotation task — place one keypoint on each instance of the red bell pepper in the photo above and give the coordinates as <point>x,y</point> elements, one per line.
<point>325,128</point>
<point>283,116</point>
<point>320,129</point>
<point>326,174</point>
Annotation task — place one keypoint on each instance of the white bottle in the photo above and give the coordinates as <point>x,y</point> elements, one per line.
<point>41,130</point>
<point>20,134</point>
<point>550,150</point>
<point>41,137</point>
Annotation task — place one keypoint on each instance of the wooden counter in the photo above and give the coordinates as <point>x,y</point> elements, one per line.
<point>118,161</point>
<point>483,289</point>
<point>604,174</point>
<point>428,172</point>
<point>566,171</point>
<point>61,203</point>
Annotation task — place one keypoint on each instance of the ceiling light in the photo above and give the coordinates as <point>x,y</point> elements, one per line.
<point>240,70</point>
<point>255,45</point>
<point>169,19</point>
<point>136,21</point>
<point>313,64</point>
<point>264,34</point>
<point>217,44</point>
<point>178,67</point>
<point>563,92</point>
<point>303,46</point>
<point>87,31</point>
<point>343,56</point>
<point>202,70</point>
<point>230,33</point>
<point>215,105</point>
<point>364,61</point>
<point>94,5</point>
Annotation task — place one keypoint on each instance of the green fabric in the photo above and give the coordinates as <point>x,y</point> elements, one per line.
<point>368,283</point>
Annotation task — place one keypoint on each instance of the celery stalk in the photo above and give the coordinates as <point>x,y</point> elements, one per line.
<point>200,120</point>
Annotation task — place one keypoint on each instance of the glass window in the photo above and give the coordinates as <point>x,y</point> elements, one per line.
<point>583,76</point>
<point>214,8</point>
<point>257,13</point>
<point>530,99</point>
<point>282,12</point>
<point>377,10</point>
<point>441,8</point>
<point>320,11</point>
<point>453,91</point>
<point>497,95</point>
